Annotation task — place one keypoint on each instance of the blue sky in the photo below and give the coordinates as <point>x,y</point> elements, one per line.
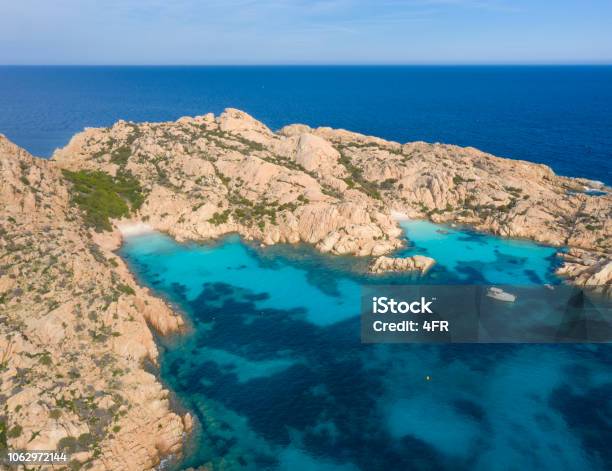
<point>305,32</point>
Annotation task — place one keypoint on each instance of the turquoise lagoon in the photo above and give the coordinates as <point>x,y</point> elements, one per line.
<point>275,372</point>
<point>467,256</point>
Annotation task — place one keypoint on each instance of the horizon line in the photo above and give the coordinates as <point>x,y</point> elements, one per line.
<point>390,64</point>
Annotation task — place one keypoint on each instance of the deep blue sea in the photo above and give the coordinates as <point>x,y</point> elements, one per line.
<point>560,116</point>
<point>275,372</point>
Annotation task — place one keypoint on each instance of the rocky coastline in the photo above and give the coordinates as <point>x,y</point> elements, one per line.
<point>75,327</point>
<point>341,191</point>
<point>75,332</point>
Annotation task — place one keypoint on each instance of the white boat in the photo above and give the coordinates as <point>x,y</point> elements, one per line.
<point>500,295</point>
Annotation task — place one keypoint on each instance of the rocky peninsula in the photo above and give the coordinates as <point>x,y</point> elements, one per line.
<point>75,341</point>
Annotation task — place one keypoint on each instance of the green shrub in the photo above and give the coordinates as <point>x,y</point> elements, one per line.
<point>3,442</point>
<point>357,179</point>
<point>67,444</point>
<point>513,190</point>
<point>125,289</point>
<point>85,441</point>
<point>219,218</point>
<point>457,179</point>
<point>15,431</point>
<point>121,155</point>
<point>101,196</point>
<point>388,183</point>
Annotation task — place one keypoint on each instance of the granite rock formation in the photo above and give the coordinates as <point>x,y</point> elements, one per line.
<point>207,176</point>
<point>416,263</point>
<point>74,332</point>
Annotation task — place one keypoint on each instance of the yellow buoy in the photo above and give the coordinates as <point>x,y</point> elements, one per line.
<point>428,378</point>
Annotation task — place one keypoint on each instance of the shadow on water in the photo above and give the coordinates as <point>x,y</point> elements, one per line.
<point>276,374</point>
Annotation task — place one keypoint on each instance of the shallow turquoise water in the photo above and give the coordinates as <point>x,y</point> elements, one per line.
<point>275,371</point>
<point>465,255</point>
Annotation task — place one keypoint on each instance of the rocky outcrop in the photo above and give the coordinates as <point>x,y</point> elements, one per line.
<point>588,269</point>
<point>74,333</point>
<point>314,153</point>
<point>207,176</point>
<point>416,263</point>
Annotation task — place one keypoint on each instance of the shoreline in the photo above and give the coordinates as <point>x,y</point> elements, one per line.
<point>191,439</point>
<point>133,228</point>
<point>160,334</point>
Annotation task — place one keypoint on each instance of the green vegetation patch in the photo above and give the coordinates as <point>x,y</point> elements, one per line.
<point>3,438</point>
<point>125,289</point>
<point>121,155</point>
<point>15,431</point>
<point>219,218</point>
<point>101,196</point>
<point>458,179</point>
<point>356,179</point>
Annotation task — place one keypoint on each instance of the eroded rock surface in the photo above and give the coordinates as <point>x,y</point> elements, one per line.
<point>417,263</point>
<point>207,176</point>
<point>73,331</point>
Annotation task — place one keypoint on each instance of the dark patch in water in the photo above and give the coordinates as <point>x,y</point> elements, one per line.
<point>470,409</point>
<point>474,275</point>
<point>256,297</point>
<point>504,259</point>
<point>589,414</point>
<point>179,291</point>
<point>332,393</point>
<point>473,237</point>
<point>533,277</point>
<point>292,399</point>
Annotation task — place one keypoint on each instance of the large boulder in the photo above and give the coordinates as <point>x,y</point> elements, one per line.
<point>417,263</point>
